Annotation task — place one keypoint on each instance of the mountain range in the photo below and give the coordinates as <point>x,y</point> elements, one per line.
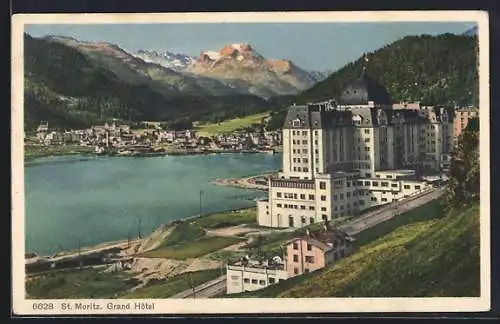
<point>73,83</point>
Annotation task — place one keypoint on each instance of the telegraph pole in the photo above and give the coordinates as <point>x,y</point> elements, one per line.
<point>79,254</point>
<point>139,227</point>
<point>192,285</point>
<point>201,202</point>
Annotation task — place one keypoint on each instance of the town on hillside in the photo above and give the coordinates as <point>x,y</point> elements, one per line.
<point>115,138</point>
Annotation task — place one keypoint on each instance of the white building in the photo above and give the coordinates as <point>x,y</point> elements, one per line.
<point>250,275</point>
<point>339,159</point>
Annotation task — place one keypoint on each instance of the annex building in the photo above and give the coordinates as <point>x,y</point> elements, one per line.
<point>343,156</point>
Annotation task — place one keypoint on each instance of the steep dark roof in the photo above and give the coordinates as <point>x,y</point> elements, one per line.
<point>360,91</point>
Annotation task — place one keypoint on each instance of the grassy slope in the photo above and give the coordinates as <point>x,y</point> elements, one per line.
<point>171,286</point>
<point>84,283</point>
<point>33,152</point>
<point>188,240</point>
<point>420,253</point>
<point>227,218</point>
<point>229,125</point>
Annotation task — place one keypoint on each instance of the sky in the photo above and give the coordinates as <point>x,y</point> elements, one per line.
<point>313,46</point>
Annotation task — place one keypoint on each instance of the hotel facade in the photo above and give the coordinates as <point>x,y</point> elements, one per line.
<point>340,158</point>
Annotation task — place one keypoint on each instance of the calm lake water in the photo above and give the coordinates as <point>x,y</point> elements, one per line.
<point>96,199</point>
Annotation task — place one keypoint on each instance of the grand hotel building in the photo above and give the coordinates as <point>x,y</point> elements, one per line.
<point>341,157</point>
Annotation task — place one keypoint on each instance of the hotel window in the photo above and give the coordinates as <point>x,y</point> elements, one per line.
<point>271,280</point>
<point>299,169</point>
<point>373,198</point>
<point>361,202</point>
<point>235,277</point>
<point>304,132</point>
<point>348,183</point>
<point>254,281</point>
<point>334,197</point>
<point>304,142</point>
<point>389,176</point>
<point>294,169</point>
<point>295,270</point>
<point>295,258</point>
<point>306,169</point>
<point>309,259</point>
<point>375,183</point>
<point>311,197</point>
<point>306,270</point>
<point>311,207</point>
<point>367,149</point>
<point>367,183</point>
<point>341,196</point>
<point>417,187</point>
<point>367,140</point>
<point>367,131</point>
<point>311,220</point>
<point>322,185</point>
<point>246,280</point>
<point>262,282</point>
<point>278,194</point>
<point>384,199</point>
<point>359,183</point>
<point>406,186</point>
<point>323,208</point>
<point>305,161</point>
<point>323,198</point>
<point>298,160</point>
<point>278,205</point>
<point>302,196</point>
<point>294,196</point>
<point>385,184</point>
<point>324,217</point>
<point>348,195</point>
<point>316,133</point>
<point>316,151</point>
<point>303,219</point>
<point>304,151</point>
<point>354,193</point>
<point>302,207</point>
<point>316,142</point>
<point>293,141</point>
<point>394,185</point>
<point>293,151</point>
<point>293,132</point>
<point>342,207</point>
<point>295,246</point>
<point>309,247</point>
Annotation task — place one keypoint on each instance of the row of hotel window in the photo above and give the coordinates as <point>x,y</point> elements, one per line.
<point>302,207</point>
<point>255,281</point>
<point>304,133</point>
<point>322,197</point>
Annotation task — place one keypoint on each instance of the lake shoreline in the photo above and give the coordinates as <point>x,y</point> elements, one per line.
<point>29,158</point>
<point>120,241</point>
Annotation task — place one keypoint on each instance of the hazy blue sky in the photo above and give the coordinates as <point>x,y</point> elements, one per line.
<point>314,46</point>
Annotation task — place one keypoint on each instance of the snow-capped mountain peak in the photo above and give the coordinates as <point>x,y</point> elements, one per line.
<point>174,61</point>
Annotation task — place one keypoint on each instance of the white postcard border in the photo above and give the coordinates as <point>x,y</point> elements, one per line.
<point>21,306</point>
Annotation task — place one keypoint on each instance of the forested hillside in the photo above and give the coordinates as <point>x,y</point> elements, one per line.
<point>434,70</point>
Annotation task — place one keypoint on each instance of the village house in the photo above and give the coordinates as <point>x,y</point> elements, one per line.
<point>461,120</point>
<point>317,249</point>
<point>249,275</point>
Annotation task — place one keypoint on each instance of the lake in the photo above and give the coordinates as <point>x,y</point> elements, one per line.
<point>96,199</point>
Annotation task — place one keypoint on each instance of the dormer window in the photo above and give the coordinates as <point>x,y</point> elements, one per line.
<point>296,123</point>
